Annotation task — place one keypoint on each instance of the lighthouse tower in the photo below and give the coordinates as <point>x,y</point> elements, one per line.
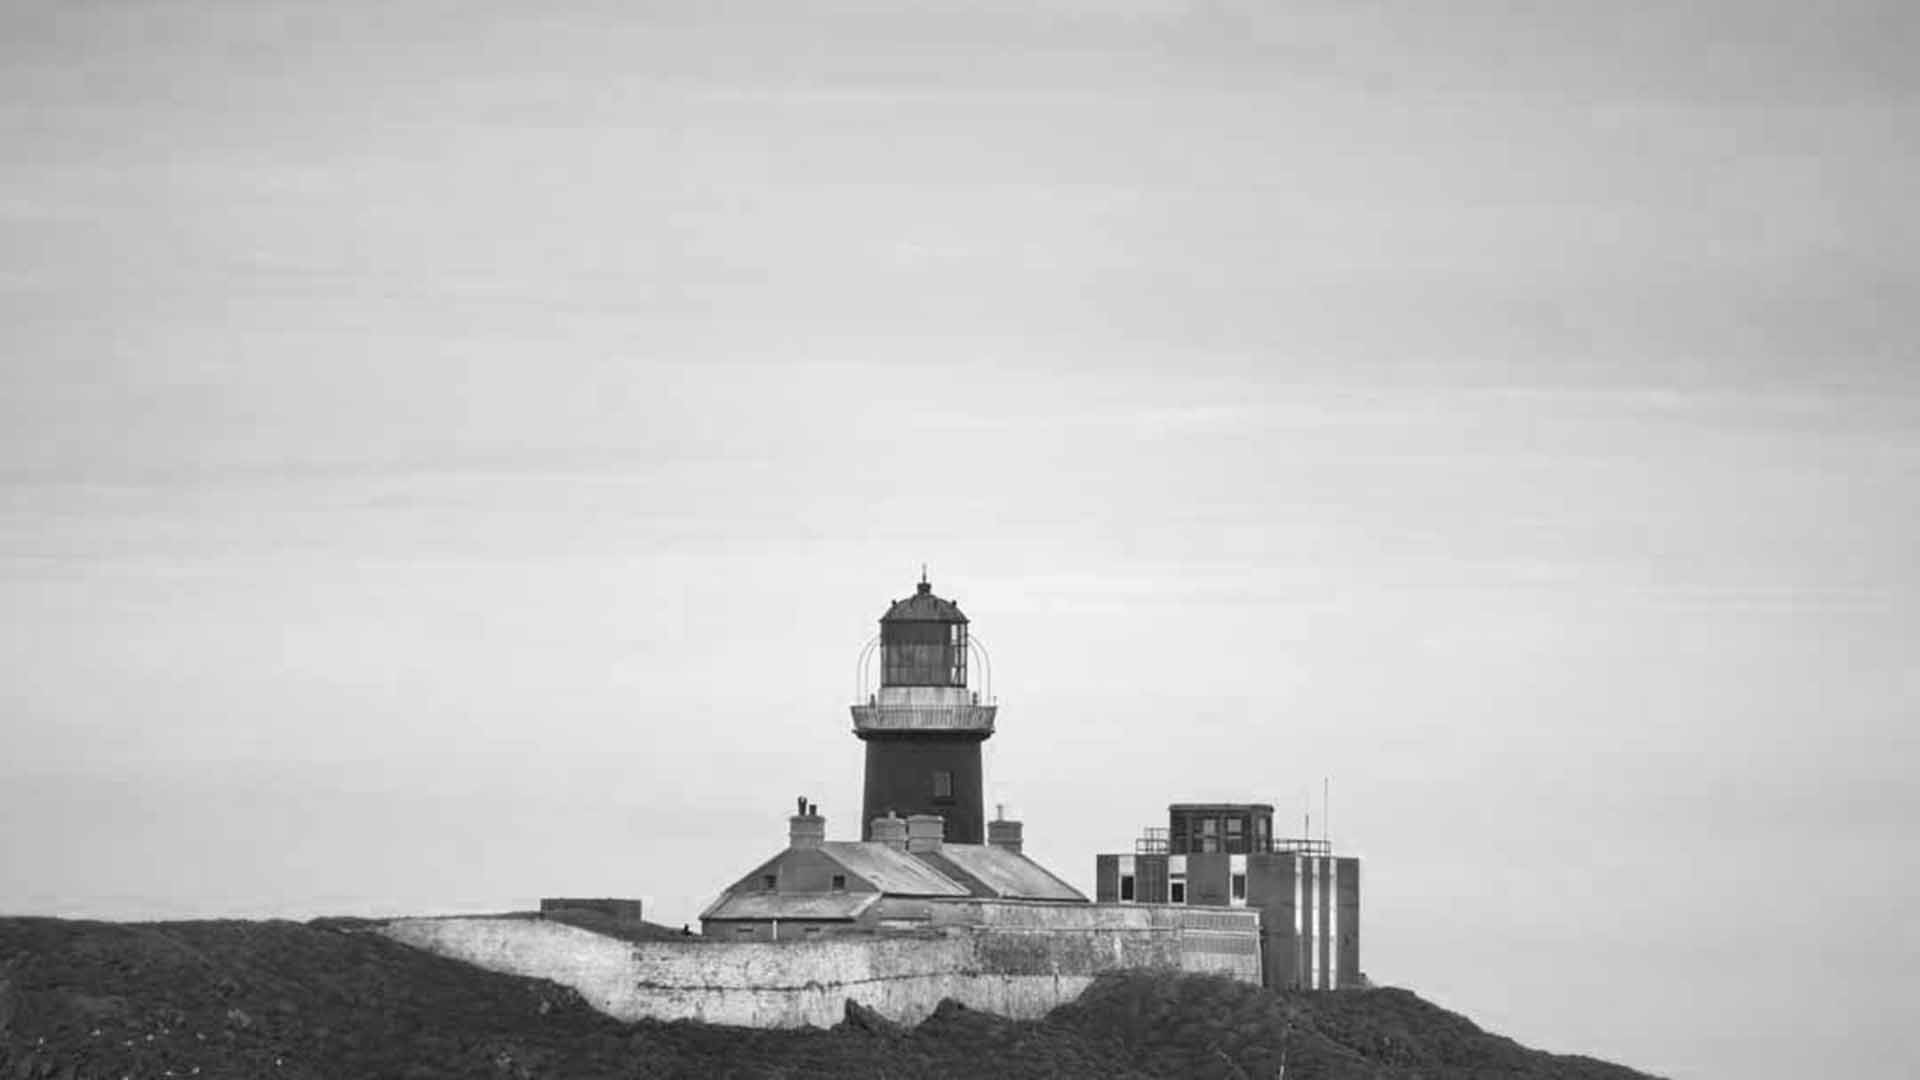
<point>923,727</point>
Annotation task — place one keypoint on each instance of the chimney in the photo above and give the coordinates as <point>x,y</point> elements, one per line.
<point>925,832</point>
<point>1004,834</point>
<point>891,831</point>
<point>806,829</point>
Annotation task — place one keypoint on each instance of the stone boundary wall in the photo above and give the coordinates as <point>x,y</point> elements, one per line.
<point>1006,957</point>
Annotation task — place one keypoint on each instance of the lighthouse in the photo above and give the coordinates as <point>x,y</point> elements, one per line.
<point>923,726</point>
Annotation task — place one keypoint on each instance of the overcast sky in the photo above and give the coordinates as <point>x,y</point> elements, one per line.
<point>453,453</point>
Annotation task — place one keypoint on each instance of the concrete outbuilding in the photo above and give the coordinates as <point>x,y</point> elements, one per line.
<point>1224,855</point>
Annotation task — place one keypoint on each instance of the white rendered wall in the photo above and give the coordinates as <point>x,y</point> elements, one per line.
<point>1014,960</point>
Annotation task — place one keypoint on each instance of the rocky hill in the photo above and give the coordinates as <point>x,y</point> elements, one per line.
<point>324,999</point>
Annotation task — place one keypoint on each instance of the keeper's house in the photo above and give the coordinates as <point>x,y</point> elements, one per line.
<point>907,877</point>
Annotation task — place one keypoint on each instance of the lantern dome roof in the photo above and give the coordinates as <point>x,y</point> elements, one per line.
<point>924,606</point>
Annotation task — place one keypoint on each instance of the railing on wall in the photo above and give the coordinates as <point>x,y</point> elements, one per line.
<point>924,718</point>
<point>1154,841</point>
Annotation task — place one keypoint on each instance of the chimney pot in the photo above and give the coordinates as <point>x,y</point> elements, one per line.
<point>925,832</point>
<point>806,830</point>
<point>1005,834</point>
<point>891,831</point>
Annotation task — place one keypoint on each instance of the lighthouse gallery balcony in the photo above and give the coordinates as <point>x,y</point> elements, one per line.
<point>909,709</point>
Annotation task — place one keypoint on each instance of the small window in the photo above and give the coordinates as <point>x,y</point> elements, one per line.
<point>1126,886</point>
<point>1240,887</point>
<point>839,883</point>
<point>1177,891</point>
<point>769,882</point>
<point>942,784</point>
<point>743,931</point>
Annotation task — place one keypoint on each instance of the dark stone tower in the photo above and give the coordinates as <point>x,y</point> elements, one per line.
<point>923,727</point>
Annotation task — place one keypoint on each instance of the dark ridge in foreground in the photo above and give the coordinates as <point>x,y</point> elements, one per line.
<point>325,999</point>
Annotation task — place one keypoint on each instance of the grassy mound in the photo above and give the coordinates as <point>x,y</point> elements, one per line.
<point>1197,1026</point>
<point>327,999</point>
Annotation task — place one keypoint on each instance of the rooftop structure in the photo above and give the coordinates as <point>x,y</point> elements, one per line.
<point>1235,828</point>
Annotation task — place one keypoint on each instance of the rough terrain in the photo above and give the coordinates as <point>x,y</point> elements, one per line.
<point>327,999</point>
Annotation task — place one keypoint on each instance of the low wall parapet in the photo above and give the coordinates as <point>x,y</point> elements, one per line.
<point>1015,959</point>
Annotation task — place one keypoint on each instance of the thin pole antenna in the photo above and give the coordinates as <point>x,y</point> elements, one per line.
<point>1326,811</point>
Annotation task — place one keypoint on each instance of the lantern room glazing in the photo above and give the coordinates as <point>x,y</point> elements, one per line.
<point>923,642</point>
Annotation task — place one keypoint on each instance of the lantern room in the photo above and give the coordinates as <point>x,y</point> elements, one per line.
<point>924,648</point>
<point>923,641</point>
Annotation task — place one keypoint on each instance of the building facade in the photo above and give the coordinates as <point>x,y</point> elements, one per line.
<point>1225,855</point>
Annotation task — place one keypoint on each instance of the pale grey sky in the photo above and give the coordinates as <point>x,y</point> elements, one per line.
<point>453,453</point>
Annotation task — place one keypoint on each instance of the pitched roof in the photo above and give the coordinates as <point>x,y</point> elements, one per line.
<point>956,871</point>
<point>923,606</point>
<point>1001,873</point>
<point>891,870</point>
<point>768,905</point>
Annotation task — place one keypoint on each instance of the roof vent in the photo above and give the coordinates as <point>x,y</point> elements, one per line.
<point>1004,834</point>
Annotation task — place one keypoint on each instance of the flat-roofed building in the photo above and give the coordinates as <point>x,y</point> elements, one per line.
<point>1225,855</point>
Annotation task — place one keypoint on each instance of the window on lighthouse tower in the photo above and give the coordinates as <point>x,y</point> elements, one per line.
<point>957,655</point>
